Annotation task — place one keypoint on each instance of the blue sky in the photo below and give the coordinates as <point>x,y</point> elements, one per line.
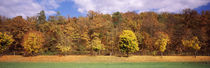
<point>69,8</point>
<point>203,8</point>
<point>75,8</point>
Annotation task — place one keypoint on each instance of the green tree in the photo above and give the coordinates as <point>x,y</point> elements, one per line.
<point>117,18</point>
<point>59,18</point>
<point>5,42</point>
<point>128,42</point>
<point>41,17</point>
<point>33,42</point>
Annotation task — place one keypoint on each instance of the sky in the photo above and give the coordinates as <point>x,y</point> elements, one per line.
<point>76,8</point>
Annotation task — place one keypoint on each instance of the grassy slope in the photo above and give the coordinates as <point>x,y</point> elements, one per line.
<point>103,65</point>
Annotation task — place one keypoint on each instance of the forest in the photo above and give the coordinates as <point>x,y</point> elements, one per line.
<point>145,33</point>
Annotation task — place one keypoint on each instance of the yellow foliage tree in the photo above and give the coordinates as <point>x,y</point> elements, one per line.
<point>63,44</point>
<point>5,41</point>
<point>193,43</point>
<point>96,43</point>
<point>162,41</point>
<point>128,42</point>
<point>63,40</point>
<point>33,42</point>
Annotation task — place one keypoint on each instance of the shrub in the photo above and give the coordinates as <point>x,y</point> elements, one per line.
<point>33,42</point>
<point>128,42</point>
<point>5,41</point>
<point>63,49</point>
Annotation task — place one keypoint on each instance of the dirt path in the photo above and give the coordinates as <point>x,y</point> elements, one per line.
<point>77,58</point>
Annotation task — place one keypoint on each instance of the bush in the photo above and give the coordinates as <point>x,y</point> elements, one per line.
<point>5,41</point>
<point>128,42</point>
<point>63,49</point>
<point>33,42</point>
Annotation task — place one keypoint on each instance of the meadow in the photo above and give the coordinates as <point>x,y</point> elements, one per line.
<point>104,65</point>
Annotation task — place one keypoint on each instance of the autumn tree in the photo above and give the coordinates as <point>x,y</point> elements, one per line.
<point>5,42</point>
<point>150,23</point>
<point>192,43</point>
<point>147,43</point>
<point>96,43</point>
<point>63,41</point>
<point>17,27</point>
<point>33,42</point>
<point>128,42</point>
<point>75,34</point>
<point>161,41</point>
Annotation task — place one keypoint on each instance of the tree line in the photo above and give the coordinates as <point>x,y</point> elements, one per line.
<point>146,33</point>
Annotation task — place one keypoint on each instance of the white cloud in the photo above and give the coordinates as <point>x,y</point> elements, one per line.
<point>50,12</point>
<point>109,6</point>
<point>12,8</point>
<point>51,4</point>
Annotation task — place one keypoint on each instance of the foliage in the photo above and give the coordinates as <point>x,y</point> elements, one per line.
<point>5,41</point>
<point>117,18</point>
<point>17,27</point>
<point>96,43</point>
<point>64,35</point>
<point>63,49</point>
<point>193,43</point>
<point>42,17</point>
<point>162,41</point>
<point>33,42</point>
<point>63,42</point>
<point>128,42</point>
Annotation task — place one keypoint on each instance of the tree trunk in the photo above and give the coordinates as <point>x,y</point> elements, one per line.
<point>112,49</point>
<point>91,50</point>
<point>127,54</point>
<point>99,53</point>
<point>195,53</point>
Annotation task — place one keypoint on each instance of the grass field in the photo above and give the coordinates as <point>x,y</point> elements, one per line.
<point>104,65</point>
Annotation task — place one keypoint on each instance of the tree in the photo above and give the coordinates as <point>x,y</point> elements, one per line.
<point>60,19</point>
<point>192,43</point>
<point>5,41</point>
<point>96,43</point>
<point>33,42</point>
<point>116,18</point>
<point>162,41</point>
<point>41,17</point>
<point>150,23</point>
<point>147,43</point>
<point>63,41</point>
<point>128,42</point>
<point>17,27</point>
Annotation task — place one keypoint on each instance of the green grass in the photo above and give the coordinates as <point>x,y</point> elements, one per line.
<point>104,65</point>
